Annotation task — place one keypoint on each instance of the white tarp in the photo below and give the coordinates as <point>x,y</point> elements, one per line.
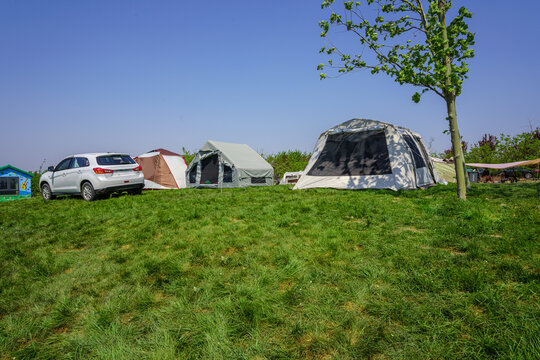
<point>506,165</point>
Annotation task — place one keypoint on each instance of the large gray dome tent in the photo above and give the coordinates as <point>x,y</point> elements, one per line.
<point>221,164</point>
<point>368,154</point>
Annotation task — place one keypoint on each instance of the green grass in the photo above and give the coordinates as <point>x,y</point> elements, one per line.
<point>269,273</point>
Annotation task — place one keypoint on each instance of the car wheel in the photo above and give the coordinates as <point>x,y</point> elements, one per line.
<point>528,176</point>
<point>87,192</point>
<point>46,192</point>
<point>136,192</point>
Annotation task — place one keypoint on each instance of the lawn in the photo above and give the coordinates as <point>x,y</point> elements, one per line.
<point>269,273</point>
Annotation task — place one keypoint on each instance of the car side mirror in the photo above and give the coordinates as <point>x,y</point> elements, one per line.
<point>50,168</point>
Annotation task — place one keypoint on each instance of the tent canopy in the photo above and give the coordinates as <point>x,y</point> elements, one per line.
<point>368,154</point>
<point>163,169</point>
<point>221,164</point>
<point>241,155</point>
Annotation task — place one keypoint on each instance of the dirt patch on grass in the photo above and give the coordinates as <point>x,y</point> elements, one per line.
<point>352,307</point>
<point>160,296</point>
<point>229,251</point>
<point>305,340</point>
<point>66,250</point>
<point>23,343</point>
<point>354,220</point>
<point>126,318</point>
<point>477,310</point>
<point>453,251</point>
<point>326,357</point>
<point>411,229</point>
<point>60,330</point>
<point>285,285</point>
<point>203,310</point>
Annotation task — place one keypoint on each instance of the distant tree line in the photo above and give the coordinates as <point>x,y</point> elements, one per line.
<point>284,161</point>
<point>502,149</point>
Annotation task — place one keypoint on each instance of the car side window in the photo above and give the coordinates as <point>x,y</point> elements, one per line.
<point>63,165</point>
<point>79,162</point>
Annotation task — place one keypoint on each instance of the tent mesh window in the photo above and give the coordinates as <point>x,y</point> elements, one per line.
<point>227,174</point>
<point>258,180</point>
<point>210,170</point>
<point>193,175</point>
<point>362,153</point>
<point>417,155</point>
<point>9,185</point>
<point>422,148</point>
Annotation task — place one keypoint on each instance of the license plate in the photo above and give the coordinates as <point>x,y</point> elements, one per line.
<point>122,172</point>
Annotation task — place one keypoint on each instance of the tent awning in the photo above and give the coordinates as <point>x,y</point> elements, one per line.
<point>506,165</point>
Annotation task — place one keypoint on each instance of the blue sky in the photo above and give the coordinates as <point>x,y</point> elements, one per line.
<point>130,76</point>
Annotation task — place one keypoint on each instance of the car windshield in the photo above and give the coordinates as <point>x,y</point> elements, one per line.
<point>115,160</point>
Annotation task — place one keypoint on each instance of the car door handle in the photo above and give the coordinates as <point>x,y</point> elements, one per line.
<point>79,172</point>
<point>64,174</point>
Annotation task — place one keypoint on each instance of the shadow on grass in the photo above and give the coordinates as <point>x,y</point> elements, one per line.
<point>99,197</point>
<point>494,191</point>
<point>516,191</point>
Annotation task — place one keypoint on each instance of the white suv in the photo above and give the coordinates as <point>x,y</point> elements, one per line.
<point>92,174</point>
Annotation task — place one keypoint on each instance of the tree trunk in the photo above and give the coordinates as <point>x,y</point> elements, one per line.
<point>467,181</point>
<point>450,98</point>
<point>459,162</point>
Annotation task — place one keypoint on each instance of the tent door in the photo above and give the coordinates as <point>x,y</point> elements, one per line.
<point>210,170</point>
<point>423,175</point>
<point>426,155</point>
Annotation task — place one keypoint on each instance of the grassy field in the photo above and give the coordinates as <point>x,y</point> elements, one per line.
<point>269,273</point>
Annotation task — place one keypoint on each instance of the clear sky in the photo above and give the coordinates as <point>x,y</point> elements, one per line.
<point>131,76</point>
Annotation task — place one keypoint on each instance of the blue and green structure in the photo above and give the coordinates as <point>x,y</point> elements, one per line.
<point>14,183</point>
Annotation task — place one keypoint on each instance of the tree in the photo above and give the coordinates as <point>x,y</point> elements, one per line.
<point>506,148</point>
<point>283,161</point>
<point>484,151</point>
<point>411,45</point>
<point>524,146</point>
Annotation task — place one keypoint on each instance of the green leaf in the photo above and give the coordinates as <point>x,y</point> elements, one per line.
<point>429,54</point>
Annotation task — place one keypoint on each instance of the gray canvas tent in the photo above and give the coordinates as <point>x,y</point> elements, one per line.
<point>368,154</point>
<point>221,164</point>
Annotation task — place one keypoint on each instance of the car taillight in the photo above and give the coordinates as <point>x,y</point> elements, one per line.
<point>102,171</point>
<point>138,168</point>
